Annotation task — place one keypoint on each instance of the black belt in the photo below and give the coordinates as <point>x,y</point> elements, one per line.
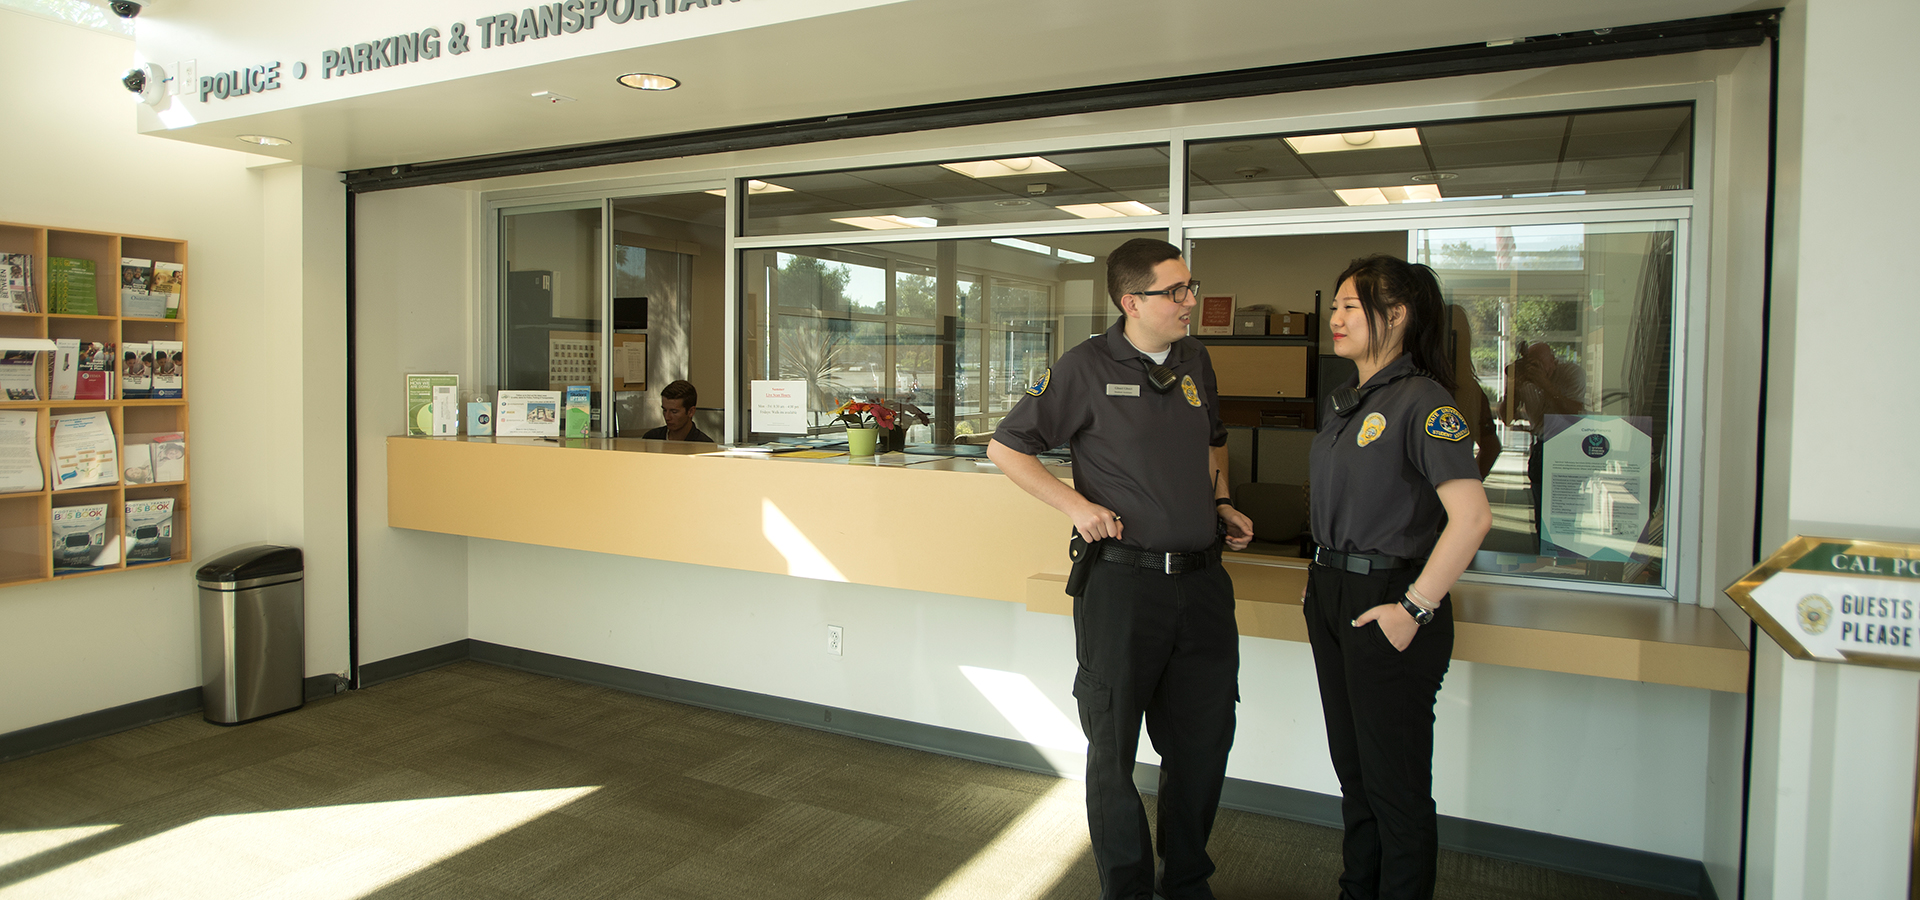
<point>1359,563</point>
<point>1170,563</point>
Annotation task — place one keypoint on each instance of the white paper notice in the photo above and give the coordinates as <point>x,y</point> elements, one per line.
<point>20,468</point>
<point>84,454</point>
<point>779,407</point>
<point>1595,496</point>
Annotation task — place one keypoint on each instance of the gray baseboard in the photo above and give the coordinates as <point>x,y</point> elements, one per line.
<point>1674,874</point>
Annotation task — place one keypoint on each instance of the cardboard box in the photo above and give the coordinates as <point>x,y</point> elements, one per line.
<point>1269,370</point>
<point>1249,324</point>
<point>1296,324</point>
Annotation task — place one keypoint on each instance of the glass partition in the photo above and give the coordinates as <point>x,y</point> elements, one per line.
<point>954,329</point>
<point>1565,333</point>
<point>551,303</point>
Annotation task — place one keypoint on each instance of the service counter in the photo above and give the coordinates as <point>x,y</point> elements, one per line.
<point>953,526</point>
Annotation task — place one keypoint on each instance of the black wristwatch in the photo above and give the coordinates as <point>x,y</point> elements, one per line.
<point>1223,501</point>
<point>1420,616</point>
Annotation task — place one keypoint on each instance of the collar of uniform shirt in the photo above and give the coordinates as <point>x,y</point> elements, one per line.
<point>1122,349</point>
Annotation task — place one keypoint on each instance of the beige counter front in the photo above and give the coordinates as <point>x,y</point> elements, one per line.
<point>953,528</point>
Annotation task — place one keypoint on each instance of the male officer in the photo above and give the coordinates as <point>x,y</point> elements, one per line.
<point>1155,628</point>
<point>676,406</point>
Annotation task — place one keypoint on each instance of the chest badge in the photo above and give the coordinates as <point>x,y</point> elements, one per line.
<point>1371,428</point>
<point>1040,387</point>
<point>1447,424</point>
<point>1192,393</point>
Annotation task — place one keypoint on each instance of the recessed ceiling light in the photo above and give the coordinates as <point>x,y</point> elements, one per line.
<point>882,223</point>
<point>1432,176</point>
<point>1109,210</point>
<point>754,187</point>
<point>1355,140</point>
<point>647,81</point>
<point>1011,203</point>
<point>1376,196</point>
<point>996,168</point>
<point>264,140</point>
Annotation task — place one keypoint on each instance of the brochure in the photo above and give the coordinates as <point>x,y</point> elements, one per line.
<point>169,282</point>
<point>70,287</point>
<point>136,371</point>
<point>432,407</point>
<point>16,283</point>
<point>579,410</point>
<point>479,418</point>
<point>136,289</point>
<point>136,466</point>
<point>80,539</point>
<point>169,457</point>
<point>83,451</point>
<point>528,414</point>
<point>20,468</point>
<point>93,377</point>
<point>149,530</point>
<point>169,370</point>
<point>17,375</point>
<point>64,367</point>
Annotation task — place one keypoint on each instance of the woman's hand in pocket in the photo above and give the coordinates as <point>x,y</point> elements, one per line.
<point>1395,623</point>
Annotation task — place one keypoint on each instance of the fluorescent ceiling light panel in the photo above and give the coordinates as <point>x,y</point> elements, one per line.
<point>882,223</point>
<point>755,187</point>
<point>1355,140</point>
<point>1028,246</point>
<point>1412,193</point>
<point>998,168</point>
<point>1071,256</point>
<point>1109,210</point>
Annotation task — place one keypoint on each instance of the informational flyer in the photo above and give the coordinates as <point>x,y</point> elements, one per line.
<point>1597,470</point>
<point>431,404</point>
<point>20,468</point>
<point>528,414</point>
<point>779,407</point>
<point>84,453</point>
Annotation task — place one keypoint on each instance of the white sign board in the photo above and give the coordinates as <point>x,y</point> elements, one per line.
<point>1839,600</point>
<point>1594,501</point>
<point>779,407</point>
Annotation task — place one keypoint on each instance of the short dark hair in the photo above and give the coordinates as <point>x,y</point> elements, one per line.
<point>1130,268</point>
<point>1384,282</point>
<point>682,391</point>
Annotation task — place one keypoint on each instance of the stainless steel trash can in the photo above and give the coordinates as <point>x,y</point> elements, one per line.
<point>253,647</point>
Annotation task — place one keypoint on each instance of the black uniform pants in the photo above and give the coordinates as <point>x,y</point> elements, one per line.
<point>1166,647</point>
<point>1378,703</point>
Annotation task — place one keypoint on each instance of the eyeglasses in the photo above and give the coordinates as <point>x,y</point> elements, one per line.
<point>1179,293</point>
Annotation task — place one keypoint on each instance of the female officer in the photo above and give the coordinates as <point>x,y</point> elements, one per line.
<point>1397,513</point>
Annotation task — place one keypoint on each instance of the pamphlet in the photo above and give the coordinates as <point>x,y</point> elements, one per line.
<point>169,281</point>
<point>528,414</point>
<point>479,418</point>
<point>136,371</point>
<point>70,287</point>
<point>169,370</point>
<point>64,367</point>
<point>16,283</point>
<point>169,457</point>
<point>20,468</point>
<point>80,539</point>
<point>149,530</point>
<point>83,451</point>
<point>17,374</point>
<point>429,411</point>
<point>136,464</point>
<point>579,410</point>
<point>93,378</point>
<point>136,289</point>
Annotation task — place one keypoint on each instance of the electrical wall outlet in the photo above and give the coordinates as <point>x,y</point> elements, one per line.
<point>833,639</point>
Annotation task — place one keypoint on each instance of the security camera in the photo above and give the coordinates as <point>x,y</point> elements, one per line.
<point>149,81</point>
<point>125,9</point>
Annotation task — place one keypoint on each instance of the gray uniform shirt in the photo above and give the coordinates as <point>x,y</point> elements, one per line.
<point>1374,472</point>
<point>1136,451</point>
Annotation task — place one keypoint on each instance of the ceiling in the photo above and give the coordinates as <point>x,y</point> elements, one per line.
<point>901,54</point>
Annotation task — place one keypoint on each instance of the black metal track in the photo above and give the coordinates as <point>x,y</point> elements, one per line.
<point>1748,29</point>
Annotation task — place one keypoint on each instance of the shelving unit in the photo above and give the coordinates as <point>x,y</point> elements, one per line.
<point>26,518</point>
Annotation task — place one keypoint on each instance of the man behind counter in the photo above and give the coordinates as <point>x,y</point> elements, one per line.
<point>677,401</point>
<point>1155,623</point>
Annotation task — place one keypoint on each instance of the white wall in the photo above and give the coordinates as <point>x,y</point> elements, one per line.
<point>1834,746</point>
<point>87,644</point>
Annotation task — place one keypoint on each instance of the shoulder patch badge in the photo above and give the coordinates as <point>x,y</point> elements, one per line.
<point>1371,428</point>
<point>1192,393</point>
<point>1040,387</point>
<point>1446,424</point>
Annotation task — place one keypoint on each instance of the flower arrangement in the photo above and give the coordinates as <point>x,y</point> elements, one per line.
<point>879,414</point>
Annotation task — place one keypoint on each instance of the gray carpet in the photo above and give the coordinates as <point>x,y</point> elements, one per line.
<point>474,781</point>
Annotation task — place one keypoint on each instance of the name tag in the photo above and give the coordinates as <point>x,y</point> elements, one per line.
<point>1123,390</point>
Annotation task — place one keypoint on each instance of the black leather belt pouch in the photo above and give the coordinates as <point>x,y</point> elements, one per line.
<point>1083,554</point>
